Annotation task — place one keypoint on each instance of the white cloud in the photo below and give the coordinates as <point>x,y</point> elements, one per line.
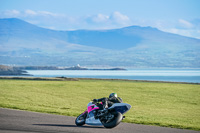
<point>119,18</point>
<point>179,31</point>
<point>45,13</point>
<point>181,27</point>
<point>10,13</point>
<point>183,32</point>
<point>30,12</point>
<point>185,24</point>
<point>99,18</point>
<point>102,21</point>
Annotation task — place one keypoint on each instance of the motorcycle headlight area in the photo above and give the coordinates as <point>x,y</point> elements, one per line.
<point>121,109</point>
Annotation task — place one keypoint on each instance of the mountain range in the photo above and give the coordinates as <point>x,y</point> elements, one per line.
<point>25,44</point>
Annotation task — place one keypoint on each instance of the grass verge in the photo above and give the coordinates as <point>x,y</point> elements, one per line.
<point>163,104</point>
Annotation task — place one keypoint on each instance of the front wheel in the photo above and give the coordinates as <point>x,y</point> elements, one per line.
<point>114,122</point>
<point>80,120</point>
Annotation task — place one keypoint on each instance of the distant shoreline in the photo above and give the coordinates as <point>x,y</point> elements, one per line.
<point>66,68</point>
<point>22,70</point>
<point>77,79</point>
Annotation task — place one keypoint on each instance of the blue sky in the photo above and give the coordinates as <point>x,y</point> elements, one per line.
<point>175,16</point>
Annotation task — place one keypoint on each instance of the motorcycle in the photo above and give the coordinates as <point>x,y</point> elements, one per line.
<point>108,117</point>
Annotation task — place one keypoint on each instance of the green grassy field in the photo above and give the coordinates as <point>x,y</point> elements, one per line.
<point>163,104</point>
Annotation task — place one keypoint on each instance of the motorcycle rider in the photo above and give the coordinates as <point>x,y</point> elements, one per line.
<point>108,102</point>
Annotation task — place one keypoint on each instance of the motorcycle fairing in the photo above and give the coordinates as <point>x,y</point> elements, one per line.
<point>90,120</point>
<point>91,108</point>
<point>121,107</point>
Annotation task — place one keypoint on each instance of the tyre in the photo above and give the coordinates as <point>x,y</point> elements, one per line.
<point>114,122</point>
<point>80,120</point>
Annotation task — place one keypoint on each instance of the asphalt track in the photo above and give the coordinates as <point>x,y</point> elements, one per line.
<point>15,121</point>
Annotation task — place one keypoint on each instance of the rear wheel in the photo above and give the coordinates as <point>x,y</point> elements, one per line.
<point>80,120</point>
<point>117,117</point>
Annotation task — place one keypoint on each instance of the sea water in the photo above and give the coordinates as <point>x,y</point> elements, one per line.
<point>173,75</point>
